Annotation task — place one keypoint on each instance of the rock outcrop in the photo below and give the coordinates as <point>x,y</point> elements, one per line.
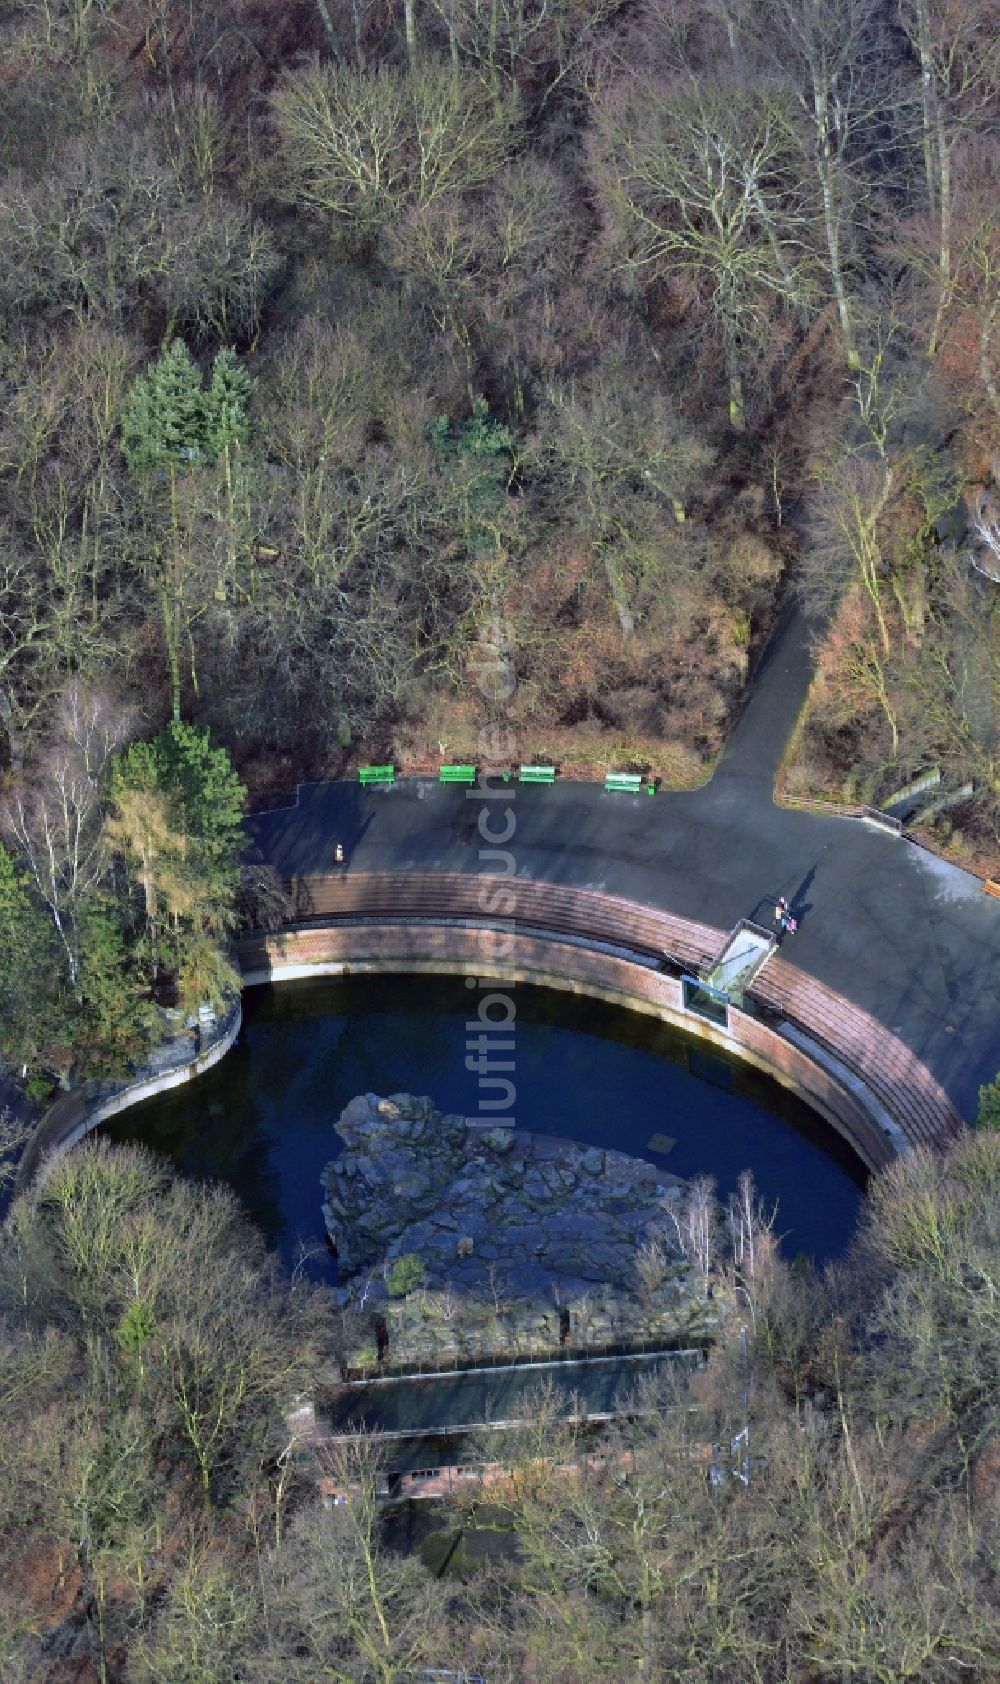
<point>509,1242</point>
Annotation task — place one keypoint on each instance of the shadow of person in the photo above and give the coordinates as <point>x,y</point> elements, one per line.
<point>800,906</point>
<point>355,834</point>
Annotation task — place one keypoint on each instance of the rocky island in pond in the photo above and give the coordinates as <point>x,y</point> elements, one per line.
<point>456,1241</point>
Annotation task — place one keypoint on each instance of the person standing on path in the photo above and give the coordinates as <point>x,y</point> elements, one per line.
<point>787,925</point>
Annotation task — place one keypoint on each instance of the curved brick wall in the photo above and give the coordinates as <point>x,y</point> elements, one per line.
<point>852,1070</point>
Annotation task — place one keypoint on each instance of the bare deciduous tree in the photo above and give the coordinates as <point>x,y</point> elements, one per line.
<point>958,54</point>
<point>55,816</point>
<point>362,146</point>
<point>696,1220</point>
<point>711,189</point>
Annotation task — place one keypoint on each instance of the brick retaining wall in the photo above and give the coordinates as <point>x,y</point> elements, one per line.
<point>850,1068</point>
<point>856,1074</point>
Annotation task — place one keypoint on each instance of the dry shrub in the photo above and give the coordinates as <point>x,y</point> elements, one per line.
<point>918,1214</point>
<point>446,730</point>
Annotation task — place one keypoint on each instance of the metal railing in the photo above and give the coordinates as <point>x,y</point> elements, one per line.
<point>85,1107</point>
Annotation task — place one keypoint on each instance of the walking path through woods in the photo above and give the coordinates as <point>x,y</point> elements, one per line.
<point>901,933</point>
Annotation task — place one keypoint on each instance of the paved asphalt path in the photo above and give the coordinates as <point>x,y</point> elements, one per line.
<point>913,940</point>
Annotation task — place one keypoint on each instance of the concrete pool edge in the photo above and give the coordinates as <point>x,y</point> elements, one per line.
<point>77,1113</point>
<point>784,1052</point>
<point>836,1074</point>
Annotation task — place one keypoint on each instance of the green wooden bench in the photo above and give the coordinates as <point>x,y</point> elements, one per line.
<point>376,774</point>
<point>632,782</point>
<point>458,774</point>
<point>537,775</point>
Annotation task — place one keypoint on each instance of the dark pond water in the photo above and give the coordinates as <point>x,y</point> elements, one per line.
<point>263,1119</point>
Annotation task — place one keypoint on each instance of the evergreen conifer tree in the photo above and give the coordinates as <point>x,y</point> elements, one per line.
<point>178,811</point>
<point>226,406</point>
<point>114,1016</point>
<point>164,424</point>
<point>173,425</point>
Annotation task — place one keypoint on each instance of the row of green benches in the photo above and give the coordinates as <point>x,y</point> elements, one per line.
<point>631,782</point>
